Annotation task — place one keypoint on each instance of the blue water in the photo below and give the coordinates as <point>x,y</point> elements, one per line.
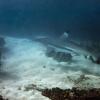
<point>81,18</point>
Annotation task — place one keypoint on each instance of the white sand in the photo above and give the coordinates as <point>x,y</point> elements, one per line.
<point>25,63</point>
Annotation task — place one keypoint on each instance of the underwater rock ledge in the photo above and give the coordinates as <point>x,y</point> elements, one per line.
<point>72,94</point>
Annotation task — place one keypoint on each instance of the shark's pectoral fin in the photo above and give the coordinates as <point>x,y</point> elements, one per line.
<point>64,36</point>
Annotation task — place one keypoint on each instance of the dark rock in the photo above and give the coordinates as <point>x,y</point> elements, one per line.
<point>72,94</point>
<point>1,98</point>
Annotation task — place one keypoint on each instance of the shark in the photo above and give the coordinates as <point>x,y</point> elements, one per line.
<point>62,43</point>
<point>67,45</point>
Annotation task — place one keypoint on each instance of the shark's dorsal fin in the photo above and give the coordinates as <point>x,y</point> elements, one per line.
<point>64,36</point>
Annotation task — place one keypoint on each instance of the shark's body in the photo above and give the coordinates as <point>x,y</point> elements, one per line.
<point>63,44</point>
<point>67,45</point>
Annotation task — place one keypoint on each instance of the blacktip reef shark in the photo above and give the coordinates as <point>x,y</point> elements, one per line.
<point>67,45</point>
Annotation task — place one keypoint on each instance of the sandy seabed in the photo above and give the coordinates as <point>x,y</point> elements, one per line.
<point>25,64</point>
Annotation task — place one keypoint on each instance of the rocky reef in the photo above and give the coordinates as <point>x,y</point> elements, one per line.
<point>58,55</point>
<point>72,94</point>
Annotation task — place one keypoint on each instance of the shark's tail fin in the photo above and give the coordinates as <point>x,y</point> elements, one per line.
<point>64,36</point>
